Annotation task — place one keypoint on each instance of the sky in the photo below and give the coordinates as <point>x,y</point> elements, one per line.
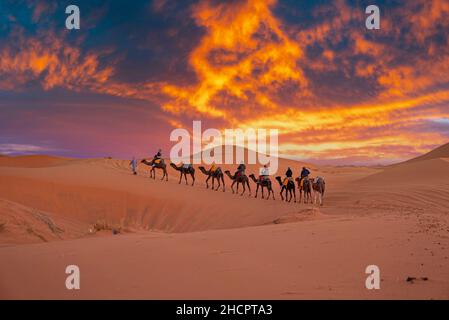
<point>135,70</point>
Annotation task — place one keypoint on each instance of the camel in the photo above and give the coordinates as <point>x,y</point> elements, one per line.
<point>306,188</point>
<point>243,179</point>
<point>289,189</point>
<point>217,174</point>
<point>264,183</point>
<point>160,165</point>
<point>184,170</point>
<point>318,186</point>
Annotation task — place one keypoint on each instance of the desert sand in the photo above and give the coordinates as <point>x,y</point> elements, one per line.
<point>178,241</point>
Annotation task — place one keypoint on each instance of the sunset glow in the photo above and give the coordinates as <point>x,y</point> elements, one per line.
<point>335,90</point>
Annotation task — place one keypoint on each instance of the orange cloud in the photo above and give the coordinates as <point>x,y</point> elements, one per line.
<point>52,62</point>
<point>243,51</point>
<point>252,71</point>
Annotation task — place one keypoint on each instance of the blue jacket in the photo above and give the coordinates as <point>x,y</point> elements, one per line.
<point>304,173</point>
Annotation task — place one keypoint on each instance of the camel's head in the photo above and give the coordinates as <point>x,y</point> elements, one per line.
<point>278,178</point>
<point>252,175</point>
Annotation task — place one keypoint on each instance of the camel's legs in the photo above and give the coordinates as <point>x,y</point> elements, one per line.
<point>218,186</point>
<point>163,174</point>
<point>294,194</point>
<point>257,190</point>
<point>249,188</point>
<point>207,183</point>
<point>243,184</point>
<point>193,178</point>
<point>185,177</point>
<point>232,186</point>
<point>180,177</point>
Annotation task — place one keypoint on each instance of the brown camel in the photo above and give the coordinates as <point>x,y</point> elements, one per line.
<point>184,170</point>
<point>160,165</point>
<point>306,188</point>
<point>265,183</point>
<point>318,187</point>
<point>289,189</point>
<point>241,178</point>
<point>216,174</point>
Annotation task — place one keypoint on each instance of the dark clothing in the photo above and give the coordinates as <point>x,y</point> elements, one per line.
<point>289,173</point>
<point>157,156</point>
<point>240,170</point>
<point>304,173</point>
<point>241,167</point>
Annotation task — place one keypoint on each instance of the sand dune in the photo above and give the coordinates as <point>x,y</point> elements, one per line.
<point>229,246</point>
<point>21,224</point>
<point>423,172</point>
<point>32,161</point>
<point>440,152</point>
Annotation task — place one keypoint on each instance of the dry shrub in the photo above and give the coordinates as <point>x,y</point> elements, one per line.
<point>104,225</point>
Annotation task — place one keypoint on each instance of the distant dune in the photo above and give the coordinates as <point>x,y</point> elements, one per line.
<point>430,168</point>
<point>438,153</point>
<point>32,161</point>
<point>134,237</point>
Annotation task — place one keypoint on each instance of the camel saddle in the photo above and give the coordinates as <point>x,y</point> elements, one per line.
<point>286,181</point>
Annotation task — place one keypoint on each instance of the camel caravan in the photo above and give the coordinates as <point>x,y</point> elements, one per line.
<point>311,190</point>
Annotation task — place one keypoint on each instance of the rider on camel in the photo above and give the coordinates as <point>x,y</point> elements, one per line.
<point>304,174</point>
<point>288,176</point>
<point>264,173</point>
<point>157,157</point>
<point>240,169</point>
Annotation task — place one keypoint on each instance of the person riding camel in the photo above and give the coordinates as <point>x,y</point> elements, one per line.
<point>157,157</point>
<point>304,174</point>
<point>213,168</point>
<point>264,173</point>
<point>288,176</point>
<point>240,169</point>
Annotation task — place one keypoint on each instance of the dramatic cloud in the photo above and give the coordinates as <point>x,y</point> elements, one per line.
<point>336,90</point>
<point>48,59</point>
